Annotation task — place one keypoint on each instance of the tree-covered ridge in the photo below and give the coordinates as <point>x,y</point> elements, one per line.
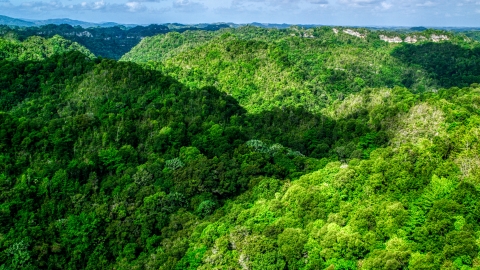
<point>37,48</point>
<point>24,68</point>
<point>118,165</point>
<point>160,47</point>
<point>410,205</point>
<point>108,42</point>
<point>271,68</point>
<point>92,141</point>
<point>475,35</point>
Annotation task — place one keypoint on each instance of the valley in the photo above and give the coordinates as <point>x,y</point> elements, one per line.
<point>219,147</point>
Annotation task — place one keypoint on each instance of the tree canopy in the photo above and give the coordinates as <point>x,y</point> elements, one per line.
<point>243,148</point>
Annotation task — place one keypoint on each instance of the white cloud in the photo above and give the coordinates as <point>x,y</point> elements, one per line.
<point>386,5</point>
<point>426,4</point>
<point>346,12</point>
<point>135,7</point>
<point>273,8</point>
<point>5,3</point>
<point>42,6</point>
<point>148,1</point>
<point>95,6</point>
<point>188,6</point>
<point>318,2</point>
<point>359,3</point>
<point>100,5</point>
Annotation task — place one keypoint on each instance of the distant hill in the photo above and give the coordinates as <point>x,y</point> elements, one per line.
<point>274,68</point>
<point>5,20</point>
<point>243,148</point>
<point>108,42</point>
<point>76,22</point>
<point>281,26</point>
<point>268,25</point>
<point>107,39</point>
<point>203,26</point>
<point>419,28</point>
<point>15,22</point>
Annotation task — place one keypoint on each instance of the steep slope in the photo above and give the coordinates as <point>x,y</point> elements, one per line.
<point>268,68</point>
<point>411,205</point>
<point>108,41</point>
<point>116,165</point>
<point>160,47</point>
<point>5,20</point>
<point>23,69</point>
<point>115,152</point>
<point>37,48</point>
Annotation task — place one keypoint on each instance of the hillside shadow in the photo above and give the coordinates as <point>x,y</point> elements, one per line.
<point>446,63</point>
<point>137,93</point>
<point>108,42</point>
<point>123,138</point>
<point>21,80</point>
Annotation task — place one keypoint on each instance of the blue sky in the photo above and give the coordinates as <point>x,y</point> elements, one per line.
<point>326,12</point>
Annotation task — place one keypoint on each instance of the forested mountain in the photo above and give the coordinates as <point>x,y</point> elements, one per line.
<point>248,148</point>
<point>108,42</point>
<point>267,68</point>
<point>473,34</point>
<point>5,20</point>
<point>37,48</point>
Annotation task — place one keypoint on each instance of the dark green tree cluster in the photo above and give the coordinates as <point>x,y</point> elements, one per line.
<point>23,72</point>
<point>447,63</point>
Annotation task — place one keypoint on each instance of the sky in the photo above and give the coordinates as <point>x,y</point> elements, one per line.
<point>321,12</point>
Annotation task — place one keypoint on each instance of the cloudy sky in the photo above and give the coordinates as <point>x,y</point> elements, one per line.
<point>326,12</point>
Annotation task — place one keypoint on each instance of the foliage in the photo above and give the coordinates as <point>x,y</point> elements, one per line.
<point>108,42</point>
<point>276,68</point>
<point>116,165</point>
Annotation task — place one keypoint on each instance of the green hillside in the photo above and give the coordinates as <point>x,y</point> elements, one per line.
<point>245,148</point>
<point>474,34</point>
<point>270,68</point>
<point>108,42</point>
<point>412,204</point>
<point>23,68</point>
<point>37,48</point>
<point>4,20</point>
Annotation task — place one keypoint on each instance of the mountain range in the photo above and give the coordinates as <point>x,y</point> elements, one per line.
<point>4,20</point>
<point>247,147</point>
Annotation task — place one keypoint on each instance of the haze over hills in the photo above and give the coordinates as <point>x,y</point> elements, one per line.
<point>4,20</point>
<point>110,42</point>
<point>113,41</point>
<point>79,23</point>
<point>239,147</point>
